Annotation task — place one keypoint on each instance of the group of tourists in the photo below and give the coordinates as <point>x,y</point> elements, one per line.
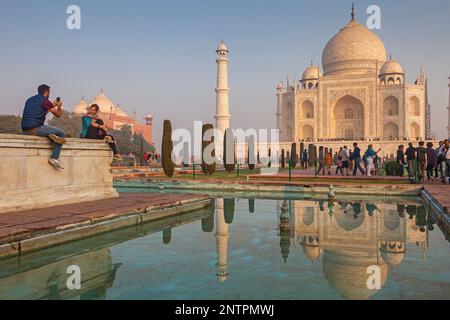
<point>33,123</point>
<point>434,162</point>
<point>349,162</point>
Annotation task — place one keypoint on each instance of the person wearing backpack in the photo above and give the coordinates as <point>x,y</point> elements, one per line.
<point>421,160</point>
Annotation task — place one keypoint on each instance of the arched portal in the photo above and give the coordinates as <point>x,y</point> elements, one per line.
<point>391,130</point>
<point>308,133</point>
<point>348,116</point>
<point>307,111</point>
<point>391,107</point>
<point>414,107</point>
<point>414,131</point>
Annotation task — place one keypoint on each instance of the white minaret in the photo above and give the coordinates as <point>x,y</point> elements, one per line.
<point>222,106</point>
<point>280,92</point>
<point>448,128</point>
<point>222,241</point>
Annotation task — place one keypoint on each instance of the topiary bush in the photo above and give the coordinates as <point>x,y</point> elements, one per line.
<point>167,148</point>
<point>391,168</point>
<point>209,144</point>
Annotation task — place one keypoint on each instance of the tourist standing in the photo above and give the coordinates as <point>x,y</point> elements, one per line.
<point>321,161</point>
<point>345,155</point>
<point>421,160</point>
<point>401,160</point>
<point>356,157</point>
<point>328,162</point>
<point>431,161</point>
<point>305,159</point>
<point>439,172</point>
<point>411,158</point>
<point>447,161</point>
<point>33,121</point>
<point>370,156</point>
<point>340,166</point>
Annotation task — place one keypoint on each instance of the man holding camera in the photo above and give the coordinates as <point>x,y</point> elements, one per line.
<point>33,121</point>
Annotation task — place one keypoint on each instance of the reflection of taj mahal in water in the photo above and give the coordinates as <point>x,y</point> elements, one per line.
<point>347,237</point>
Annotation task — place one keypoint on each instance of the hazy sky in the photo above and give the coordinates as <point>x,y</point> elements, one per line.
<point>159,56</point>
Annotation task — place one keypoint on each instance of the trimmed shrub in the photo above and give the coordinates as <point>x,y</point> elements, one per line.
<point>228,208</point>
<point>166,150</point>
<point>294,155</point>
<point>228,141</point>
<point>391,168</point>
<point>283,159</point>
<point>251,161</point>
<point>208,168</point>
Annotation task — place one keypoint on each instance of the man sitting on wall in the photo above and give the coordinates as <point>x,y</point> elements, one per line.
<point>33,121</point>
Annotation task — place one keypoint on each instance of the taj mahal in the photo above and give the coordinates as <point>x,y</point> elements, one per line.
<point>358,94</point>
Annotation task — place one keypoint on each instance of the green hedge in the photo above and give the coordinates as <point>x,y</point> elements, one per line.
<point>391,168</point>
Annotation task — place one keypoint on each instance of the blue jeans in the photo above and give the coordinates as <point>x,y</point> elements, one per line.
<point>45,131</point>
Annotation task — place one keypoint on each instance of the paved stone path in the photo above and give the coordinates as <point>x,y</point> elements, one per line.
<point>440,193</point>
<point>25,224</point>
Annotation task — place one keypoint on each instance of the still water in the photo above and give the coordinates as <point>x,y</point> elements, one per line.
<point>243,248</point>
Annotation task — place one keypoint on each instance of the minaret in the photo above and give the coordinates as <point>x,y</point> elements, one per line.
<point>280,92</point>
<point>222,241</point>
<point>222,90</point>
<point>448,128</point>
<point>427,106</point>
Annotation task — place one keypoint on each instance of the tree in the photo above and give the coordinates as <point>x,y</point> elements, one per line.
<point>283,159</point>
<point>166,150</point>
<point>228,208</point>
<point>124,139</point>
<point>251,161</point>
<point>229,151</point>
<point>269,165</point>
<point>10,124</point>
<point>311,155</point>
<point>69,122</point>
<point>294,155</point>
<point>208,148</point>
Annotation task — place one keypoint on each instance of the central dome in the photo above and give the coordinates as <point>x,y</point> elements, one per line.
<point>354,48</point>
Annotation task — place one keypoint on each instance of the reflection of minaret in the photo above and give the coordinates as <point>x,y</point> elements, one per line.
<point>222,242</point>
<point>285,231</point>
<point>222,105</point>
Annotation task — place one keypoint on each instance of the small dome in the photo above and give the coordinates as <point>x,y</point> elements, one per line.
<point>81,107</point>
<point>222,47</point>
<point>312,73</point>
<point>313,253</point>
<point>393,259</point>
<point>391,67</point>
<point>149,116</point>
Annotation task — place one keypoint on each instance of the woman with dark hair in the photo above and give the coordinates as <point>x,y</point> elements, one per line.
<point>431,160</point>
<point>94,128</point>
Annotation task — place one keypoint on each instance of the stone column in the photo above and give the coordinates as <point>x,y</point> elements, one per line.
<point>279,114</point>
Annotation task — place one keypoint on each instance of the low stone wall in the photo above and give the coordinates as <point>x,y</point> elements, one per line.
<point>27,181</point>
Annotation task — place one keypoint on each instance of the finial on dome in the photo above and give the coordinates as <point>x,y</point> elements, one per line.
<point>390,56</point>
<point>312,62</point>
<point>353,12</point>
<point>101,90</point>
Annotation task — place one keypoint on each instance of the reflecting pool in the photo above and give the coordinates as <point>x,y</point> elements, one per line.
<point>241,248</point>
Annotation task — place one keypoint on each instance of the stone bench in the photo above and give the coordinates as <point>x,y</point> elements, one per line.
<point>27,181</point>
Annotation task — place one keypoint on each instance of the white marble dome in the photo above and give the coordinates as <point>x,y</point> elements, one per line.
<point>391,67</point>
<point>354,48</point>
<point>104,103</point>
<point>312,73</point>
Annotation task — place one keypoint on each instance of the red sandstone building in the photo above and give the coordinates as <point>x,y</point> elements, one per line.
<point>115,118</point>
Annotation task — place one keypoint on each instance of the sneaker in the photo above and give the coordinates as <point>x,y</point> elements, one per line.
<point>55,163</point>
<point>117,157</point>
<point>57,139</point>
<point>109,139</point>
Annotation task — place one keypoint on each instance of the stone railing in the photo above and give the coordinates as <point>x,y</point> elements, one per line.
<point>27,181</point>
